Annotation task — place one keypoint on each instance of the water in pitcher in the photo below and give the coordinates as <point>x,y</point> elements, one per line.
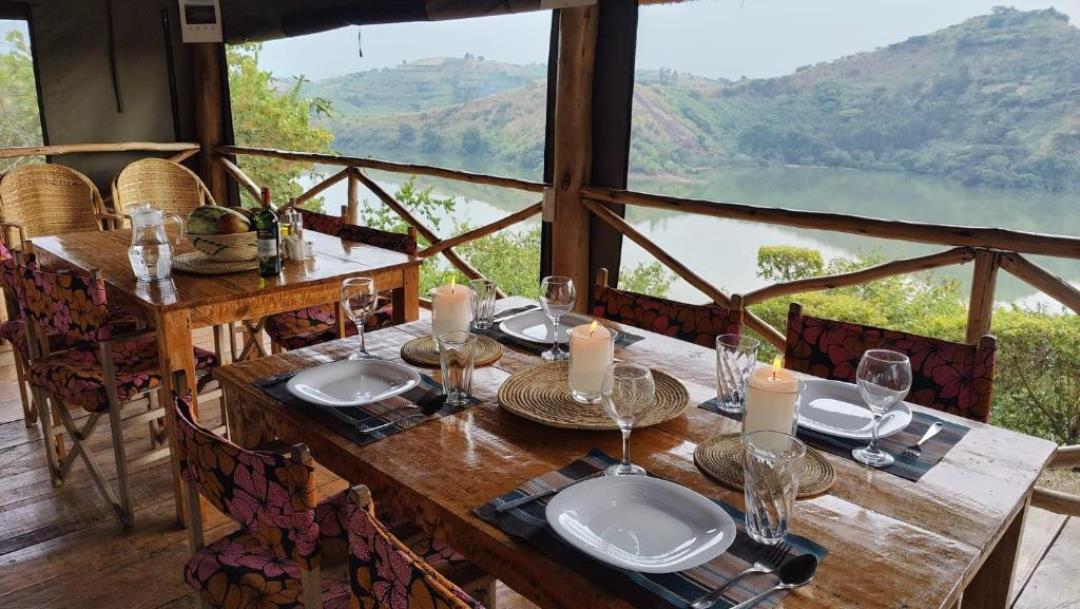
<point>150,262</point>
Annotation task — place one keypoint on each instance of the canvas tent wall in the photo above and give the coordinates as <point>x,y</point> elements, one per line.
<point>109,71</point>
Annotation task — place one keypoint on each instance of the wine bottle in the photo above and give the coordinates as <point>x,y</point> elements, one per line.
<point>268,235</point>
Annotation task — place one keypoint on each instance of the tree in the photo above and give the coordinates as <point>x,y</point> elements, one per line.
<point>268,112</point>
<point>21,124</point>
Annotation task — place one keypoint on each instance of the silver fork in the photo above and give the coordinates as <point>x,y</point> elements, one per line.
<point>915,451</point>
<point>771,559</point>
<point>418,415</point>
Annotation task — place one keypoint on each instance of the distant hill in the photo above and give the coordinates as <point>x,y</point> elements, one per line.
<point>994,100</point>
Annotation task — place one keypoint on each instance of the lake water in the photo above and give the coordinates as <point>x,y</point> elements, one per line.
<point>725,251</point>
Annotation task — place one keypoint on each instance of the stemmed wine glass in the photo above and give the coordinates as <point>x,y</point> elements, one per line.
<point>884,378</point>
<point>627,393</point>
<point>358,299</point>
<point>556,298</point>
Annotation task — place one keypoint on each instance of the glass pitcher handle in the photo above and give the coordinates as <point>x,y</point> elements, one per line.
<point>181,224</point>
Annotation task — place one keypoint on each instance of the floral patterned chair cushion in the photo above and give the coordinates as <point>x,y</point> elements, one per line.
<point>699,324</point>
<point>76,376</point>
<point>953,377</point>
<point>399,242</point>
<point>316,325</point>
<point>320,223</point>
<point>272,496</point>
<point>240,572</point>
<point>70,304</point>
<point>384,573</point>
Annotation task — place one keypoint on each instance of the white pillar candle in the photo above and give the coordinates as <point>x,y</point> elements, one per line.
<point>450,310</point>
<point>772,400</point>
<point>591,352</point>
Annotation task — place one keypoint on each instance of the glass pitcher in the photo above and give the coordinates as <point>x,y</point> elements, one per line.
<point>151,252</point>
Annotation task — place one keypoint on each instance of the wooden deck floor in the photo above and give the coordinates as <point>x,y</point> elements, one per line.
<point>61,549</point>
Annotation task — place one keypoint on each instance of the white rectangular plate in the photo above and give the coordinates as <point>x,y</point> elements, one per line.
<point>640,523</point>
<point>353,382</point>
<point>836,408</point>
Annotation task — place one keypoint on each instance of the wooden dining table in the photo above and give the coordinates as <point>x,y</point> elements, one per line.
<point>187,301</point>
<point>892,543</point>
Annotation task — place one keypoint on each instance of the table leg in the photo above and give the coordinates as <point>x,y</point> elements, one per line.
<point>175,353</point>
<point>992,585</point>
<point>407,297</point>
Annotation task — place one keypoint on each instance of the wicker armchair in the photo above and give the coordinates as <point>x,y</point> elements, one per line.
<point>49,199</point>
<point>167,185</point>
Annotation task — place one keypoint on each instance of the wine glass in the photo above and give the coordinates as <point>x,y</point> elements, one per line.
<point>556,298</point>
<point>627,392</point>
<point>358,299</point>
<point>884,378</point>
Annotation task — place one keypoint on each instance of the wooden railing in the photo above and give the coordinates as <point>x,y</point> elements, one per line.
<point>989,248</point>
<point>353,173</point>
<point>181,150</point>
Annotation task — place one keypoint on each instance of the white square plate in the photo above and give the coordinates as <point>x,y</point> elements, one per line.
<point>535,326</point>
<point>836,408</point>
<point>640,523</point>
<point>353,382</point>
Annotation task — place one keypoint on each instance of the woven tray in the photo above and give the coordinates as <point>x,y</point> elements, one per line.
<point>541,393</point>
<point>199,264</point>
<point>424,352</point>
<point>721,458</point>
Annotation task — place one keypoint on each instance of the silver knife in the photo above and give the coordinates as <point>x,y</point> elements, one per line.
<point>520,501</point>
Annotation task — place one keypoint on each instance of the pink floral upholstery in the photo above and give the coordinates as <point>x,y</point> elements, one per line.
<point>76,377</point>
<point>953,377</point>
<point>70,304</point>
<point>699,324</point>
<point>320,223</point>
<point>283,529</point>
<point>385,573</point>
<point>399,242</point>
<point>316,325</point>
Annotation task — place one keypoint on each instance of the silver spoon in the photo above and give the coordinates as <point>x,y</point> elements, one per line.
<point>797,572</point>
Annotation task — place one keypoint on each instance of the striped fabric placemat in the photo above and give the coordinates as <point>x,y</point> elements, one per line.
<point>353,422</point>
<point>642,590</point>
<point>909,468</point>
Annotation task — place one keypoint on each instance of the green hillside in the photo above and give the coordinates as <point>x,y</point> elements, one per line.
<point>994,101</point>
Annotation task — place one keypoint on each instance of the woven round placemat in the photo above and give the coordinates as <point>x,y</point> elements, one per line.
<point>721,458</point>
<point>424,352</point>
<point>199,264</point>
<point>541,393</point>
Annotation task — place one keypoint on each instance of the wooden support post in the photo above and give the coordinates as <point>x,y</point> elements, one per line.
<point>573,144</point>
<point>354,196</point>
<point>981,307</point>
<point>208,83</point>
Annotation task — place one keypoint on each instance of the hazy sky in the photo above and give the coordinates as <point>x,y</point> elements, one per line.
<point>728,38</point>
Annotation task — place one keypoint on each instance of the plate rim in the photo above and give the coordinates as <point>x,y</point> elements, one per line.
<point>728,528</point>
<point>520,336</point>
<point>414,380</point>
<point>902,406</point>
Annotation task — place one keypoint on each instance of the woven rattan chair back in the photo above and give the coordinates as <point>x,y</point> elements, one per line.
<point>47,199</point>
<point>166,185</point>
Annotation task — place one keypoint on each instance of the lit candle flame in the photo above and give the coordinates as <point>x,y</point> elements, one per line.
<point>453,283</point>
<point>777,363</point>
<point>592,328</point>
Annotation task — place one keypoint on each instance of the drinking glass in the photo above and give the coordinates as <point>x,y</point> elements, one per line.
<point>358,299</point>
<point>884,378</point>
<point>736,356</point>
<point>772,464</point>
<point>556,298</point>
<point>483,302</point>
<point>457,357</point>
<point>627,393</point>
